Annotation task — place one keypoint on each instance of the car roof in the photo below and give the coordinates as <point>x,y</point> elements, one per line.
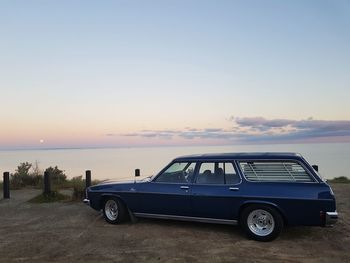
<point>241,156</point>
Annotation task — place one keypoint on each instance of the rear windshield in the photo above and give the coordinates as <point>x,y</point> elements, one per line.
<point>275,171</point>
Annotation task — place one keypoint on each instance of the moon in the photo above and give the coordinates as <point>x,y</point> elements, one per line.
<point>41,141</point>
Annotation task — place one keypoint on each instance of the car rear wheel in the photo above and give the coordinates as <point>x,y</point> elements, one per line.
<point>114,211</point>
<point>261,222</point>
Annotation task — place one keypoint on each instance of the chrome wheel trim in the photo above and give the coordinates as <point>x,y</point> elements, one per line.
<point>261,222</point>
<point>111,210</point>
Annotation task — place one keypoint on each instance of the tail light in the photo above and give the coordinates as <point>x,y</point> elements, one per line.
<point>323,218</point>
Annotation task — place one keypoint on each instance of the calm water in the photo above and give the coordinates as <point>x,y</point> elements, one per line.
<point>119,163</point>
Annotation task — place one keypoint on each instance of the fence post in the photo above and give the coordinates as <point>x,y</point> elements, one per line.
<point>6,185</point>
<point>87,178</point>
<point>47,183</point>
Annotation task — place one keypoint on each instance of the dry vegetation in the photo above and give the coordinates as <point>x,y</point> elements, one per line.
<point>73,232</point>
<point>28,175</point>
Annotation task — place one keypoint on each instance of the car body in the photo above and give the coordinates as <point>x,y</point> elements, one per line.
<point>262,192</point>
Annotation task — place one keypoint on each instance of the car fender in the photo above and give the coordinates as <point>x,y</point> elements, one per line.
<point>103,196</point>
<point>254,202</point>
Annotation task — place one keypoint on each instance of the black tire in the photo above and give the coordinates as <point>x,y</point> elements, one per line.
<point>261,222</point>
<point>114,211</point>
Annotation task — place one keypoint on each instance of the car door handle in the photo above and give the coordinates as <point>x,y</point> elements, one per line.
<point>184,187</point>
<point>234,188</point>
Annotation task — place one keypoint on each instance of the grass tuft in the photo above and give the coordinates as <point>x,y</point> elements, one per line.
<point>54,196</point>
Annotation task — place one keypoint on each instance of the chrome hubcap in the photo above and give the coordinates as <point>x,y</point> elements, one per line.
<point>261,222</point>
<point>111,210</point>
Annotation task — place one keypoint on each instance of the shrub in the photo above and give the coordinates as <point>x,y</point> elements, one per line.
<point>28,174</point>
<point>58,178</point>
<point>78,185</point>
<point>37,176</point>
<point>340,179</point>
<point>24,177</point>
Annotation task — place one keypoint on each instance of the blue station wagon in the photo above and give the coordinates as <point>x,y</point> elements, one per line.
<point>261,192</point>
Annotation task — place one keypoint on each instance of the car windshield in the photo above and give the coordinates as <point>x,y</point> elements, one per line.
<point>178,172</point>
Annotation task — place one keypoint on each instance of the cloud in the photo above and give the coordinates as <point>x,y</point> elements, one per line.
<point>287,129</point>
<point>213,130</point>
<point>259,130</point>
<point>187,133</point>
<point>262,122</point>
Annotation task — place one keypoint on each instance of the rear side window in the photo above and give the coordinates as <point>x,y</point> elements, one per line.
<point>217,173</point>
<point>275,171</point>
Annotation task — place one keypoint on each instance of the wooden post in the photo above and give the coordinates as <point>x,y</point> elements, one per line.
<point>47,183</point>
<point>87,178</point>
<point>6,185</point>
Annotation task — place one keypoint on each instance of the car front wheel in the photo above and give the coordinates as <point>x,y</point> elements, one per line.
<point>114,211</point>
<point>261,222</point>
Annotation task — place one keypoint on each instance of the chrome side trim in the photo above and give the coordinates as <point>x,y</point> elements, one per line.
<point>188,218</point>
<point>86,201</point>
<point>331,218</point>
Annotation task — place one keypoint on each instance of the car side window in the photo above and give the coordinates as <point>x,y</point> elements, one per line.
<point>178,172</point>
<point>231,177</point>
<point>217,173</point>
<point>275,171</point>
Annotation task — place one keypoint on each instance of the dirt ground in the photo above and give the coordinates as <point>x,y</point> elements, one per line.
<point>73,232</point>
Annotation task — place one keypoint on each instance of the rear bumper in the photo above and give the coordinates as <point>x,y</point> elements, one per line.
<point>331,218</point>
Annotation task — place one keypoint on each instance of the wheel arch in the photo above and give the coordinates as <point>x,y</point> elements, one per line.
<point>106,195</point>
<point>259,202</point>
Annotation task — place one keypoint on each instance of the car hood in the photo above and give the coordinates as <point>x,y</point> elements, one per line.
<point>142,180</point>
<point>108,182</point>
<point>121,185</point>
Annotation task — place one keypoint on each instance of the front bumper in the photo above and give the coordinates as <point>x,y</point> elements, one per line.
<point>331,218</point>
<point>86,201</point>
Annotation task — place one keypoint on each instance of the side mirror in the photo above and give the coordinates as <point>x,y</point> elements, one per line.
<point>137,172</point>
<point>315,167</point>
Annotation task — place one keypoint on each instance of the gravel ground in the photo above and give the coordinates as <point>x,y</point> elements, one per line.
<point>73,232</point>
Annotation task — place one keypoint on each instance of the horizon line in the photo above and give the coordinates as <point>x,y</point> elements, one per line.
<point>157,146</point>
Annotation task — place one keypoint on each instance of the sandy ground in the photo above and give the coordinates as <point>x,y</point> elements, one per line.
<point>73,232</point>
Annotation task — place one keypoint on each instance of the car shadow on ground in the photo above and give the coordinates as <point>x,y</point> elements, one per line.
<point>188,225</point>
<point>234,231</point>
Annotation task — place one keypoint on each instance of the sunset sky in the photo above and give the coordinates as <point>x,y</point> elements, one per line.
<point>138,73</point>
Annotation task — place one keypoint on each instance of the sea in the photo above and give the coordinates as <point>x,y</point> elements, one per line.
<point>120,163</point>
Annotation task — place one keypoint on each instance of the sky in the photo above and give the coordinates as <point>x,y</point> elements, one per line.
<point>145,73</point>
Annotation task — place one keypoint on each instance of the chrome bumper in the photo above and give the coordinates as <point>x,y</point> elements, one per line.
<point>86,201</point>
<point>331,218</point>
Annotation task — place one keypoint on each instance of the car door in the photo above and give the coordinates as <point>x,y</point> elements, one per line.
<point>169,192</point>
<point>216,190</point>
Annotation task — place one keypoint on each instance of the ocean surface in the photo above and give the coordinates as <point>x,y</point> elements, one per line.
<point>120,163</point>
